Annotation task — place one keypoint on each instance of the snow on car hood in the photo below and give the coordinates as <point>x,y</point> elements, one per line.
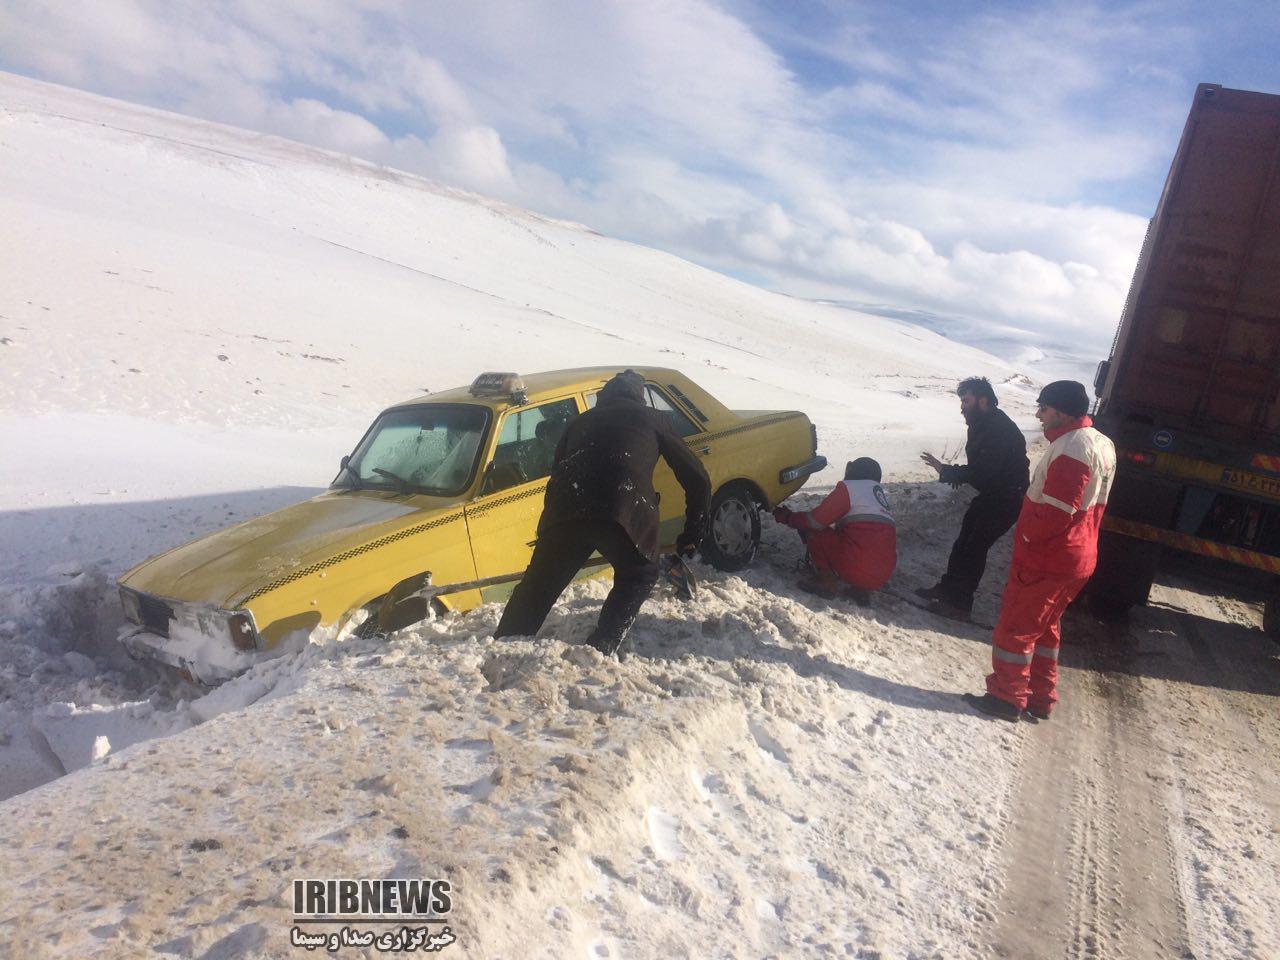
<point>229,563</point>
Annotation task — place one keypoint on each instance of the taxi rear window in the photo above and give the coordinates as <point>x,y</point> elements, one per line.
<point>656,398</point>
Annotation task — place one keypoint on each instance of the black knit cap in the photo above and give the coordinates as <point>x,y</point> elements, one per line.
<point>628,384</point>
<point>864,468</point>
<point>1067,396</point>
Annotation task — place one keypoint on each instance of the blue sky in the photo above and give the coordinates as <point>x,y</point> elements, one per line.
<point>992,162</point>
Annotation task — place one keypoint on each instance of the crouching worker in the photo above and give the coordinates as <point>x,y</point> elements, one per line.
<point>851,535</point>
<point>600,497</point>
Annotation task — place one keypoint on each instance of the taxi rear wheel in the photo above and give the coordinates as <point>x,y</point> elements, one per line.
<point>733,530</point>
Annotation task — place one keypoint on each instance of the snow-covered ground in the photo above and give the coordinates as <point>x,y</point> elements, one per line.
<point>196,323</point>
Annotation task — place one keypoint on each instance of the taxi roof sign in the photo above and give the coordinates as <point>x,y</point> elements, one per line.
<point>500,385</point>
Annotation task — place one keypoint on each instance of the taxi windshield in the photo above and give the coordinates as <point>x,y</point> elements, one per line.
<point>426,449</point>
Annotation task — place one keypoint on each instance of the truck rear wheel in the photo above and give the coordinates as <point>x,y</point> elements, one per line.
<point>733,530</point>
<point>1122,580</point>
<point>1271,616</point>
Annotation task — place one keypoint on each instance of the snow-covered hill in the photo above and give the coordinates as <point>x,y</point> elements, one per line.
<point>187,308</point>
<point>197,322</point>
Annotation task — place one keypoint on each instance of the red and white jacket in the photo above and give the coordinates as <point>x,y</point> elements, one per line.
<point>1057,531</point>
<point>863,541</point>
<point>850,501</point>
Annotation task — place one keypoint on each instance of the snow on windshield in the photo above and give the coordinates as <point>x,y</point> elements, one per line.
<point>431,447</point>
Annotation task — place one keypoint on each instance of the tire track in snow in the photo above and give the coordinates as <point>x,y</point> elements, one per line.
<point>1089,868</point>
<point>1231,663</point>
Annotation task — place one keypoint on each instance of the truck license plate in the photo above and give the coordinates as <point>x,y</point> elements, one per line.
<point>1252,483</point>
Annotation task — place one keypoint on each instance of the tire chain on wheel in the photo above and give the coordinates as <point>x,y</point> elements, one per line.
<point>711,550</point>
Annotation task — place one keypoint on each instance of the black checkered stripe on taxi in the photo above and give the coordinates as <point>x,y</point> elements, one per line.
<point>753,425</point>
<point>352,554</point>
<point>477,510</point>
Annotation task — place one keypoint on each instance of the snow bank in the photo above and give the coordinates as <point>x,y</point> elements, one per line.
<point>579,804</point>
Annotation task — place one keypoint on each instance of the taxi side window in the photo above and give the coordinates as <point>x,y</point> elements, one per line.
<point>527,443</point>
<point>681,424</point>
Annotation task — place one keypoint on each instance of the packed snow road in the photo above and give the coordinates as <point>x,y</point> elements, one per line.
<point>766,775</point>
<point>1144,820</point>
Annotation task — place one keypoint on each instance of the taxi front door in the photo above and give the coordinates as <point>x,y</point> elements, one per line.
<point>503,520</point>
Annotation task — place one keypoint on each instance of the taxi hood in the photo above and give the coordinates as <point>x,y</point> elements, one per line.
<point>223,567</point>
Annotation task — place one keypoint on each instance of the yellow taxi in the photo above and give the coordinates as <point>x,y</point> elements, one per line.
<point>436,508</point>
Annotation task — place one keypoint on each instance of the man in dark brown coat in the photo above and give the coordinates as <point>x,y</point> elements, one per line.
<point>600,497</point>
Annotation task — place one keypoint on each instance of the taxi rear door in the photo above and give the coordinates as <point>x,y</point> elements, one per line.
<point>670,493</point>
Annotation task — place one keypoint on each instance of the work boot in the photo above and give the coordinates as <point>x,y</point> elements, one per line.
<point>929,593</point>
<point>823,583</point>
<point>993,706</point>
<point>859,596</point>
<point>606,645</point>
<point>1040,711</point>
<point>945,608</point>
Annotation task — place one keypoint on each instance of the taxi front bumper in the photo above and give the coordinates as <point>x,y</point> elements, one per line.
<point>142,644</point>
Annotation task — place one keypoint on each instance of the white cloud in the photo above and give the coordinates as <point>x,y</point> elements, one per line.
<point>314,122</point>
<point>946,165</point>
<point>472,156</point>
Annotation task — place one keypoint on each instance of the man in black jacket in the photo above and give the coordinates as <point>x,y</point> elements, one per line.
<point>999,470</point>
<point>600,497</point>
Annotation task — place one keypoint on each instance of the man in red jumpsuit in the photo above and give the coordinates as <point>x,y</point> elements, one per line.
<point>1055,548</point>
<point>851,535</point>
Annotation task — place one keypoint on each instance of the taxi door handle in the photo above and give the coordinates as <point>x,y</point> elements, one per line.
<point>703,451</point>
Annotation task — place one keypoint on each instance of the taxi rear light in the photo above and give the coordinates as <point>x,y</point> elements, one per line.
<point>1139,458</point>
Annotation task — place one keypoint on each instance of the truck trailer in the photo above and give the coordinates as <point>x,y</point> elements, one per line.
<point>1191,391</point>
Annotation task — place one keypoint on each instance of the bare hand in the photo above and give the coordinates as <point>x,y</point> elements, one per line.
<point>932,461</point>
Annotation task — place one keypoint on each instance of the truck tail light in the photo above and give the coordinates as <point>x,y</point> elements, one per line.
<point>1139,458</point>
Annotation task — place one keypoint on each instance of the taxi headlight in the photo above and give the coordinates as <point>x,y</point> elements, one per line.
<point>130,604</point>
<point>243,634</point>
<point>215,623</point>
